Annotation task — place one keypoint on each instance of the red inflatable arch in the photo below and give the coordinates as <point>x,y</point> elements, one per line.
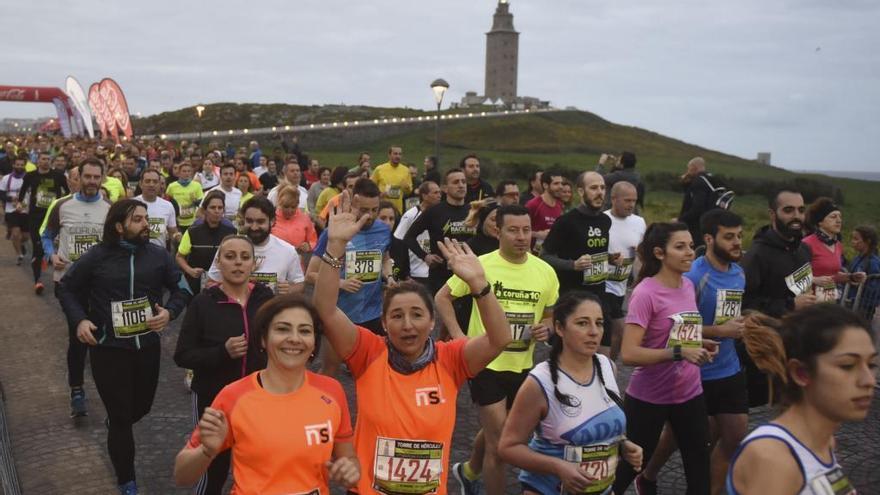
<point>67,115</point>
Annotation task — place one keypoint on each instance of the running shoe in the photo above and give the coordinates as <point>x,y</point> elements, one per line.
<point>188,379</point>
<point>38,288</point>
<point>78,403</point>
<point>468,487</point>
<point>645,486</point>
<point>129,488</point>
<point>19,260</point>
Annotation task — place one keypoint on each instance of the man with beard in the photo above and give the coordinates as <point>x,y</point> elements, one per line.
<point>123,279</point>
<point>77,220</point>
<point>546,208</point>
<point>366,268</point>
<point>16,219</point>
<point>719,283</point>
<point>779,276</point>
<point>38,189</point>
<point>277,263</point>
<point>162,216</point>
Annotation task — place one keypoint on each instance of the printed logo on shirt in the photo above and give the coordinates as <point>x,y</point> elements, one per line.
<point>318,433</point>
<point>521,295</point>
<point>458,228</point>
<point>596,238</point>
<point>429,396</point>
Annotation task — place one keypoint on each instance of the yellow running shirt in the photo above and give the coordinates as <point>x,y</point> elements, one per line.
<point>525,291</point>
<point>394,183</point>
<point>187,198</point>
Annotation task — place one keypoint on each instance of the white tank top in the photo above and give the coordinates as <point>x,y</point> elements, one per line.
<point>819,478</point>
<point>587,433</point>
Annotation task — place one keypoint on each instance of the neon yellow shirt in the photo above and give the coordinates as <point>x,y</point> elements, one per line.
<point>324,198</point>
<point>525,291</point>
<point>187,199</point>
<point>185,246</point>
<point>29,167</point>
<point>115,188</point>
<point>394,183</point>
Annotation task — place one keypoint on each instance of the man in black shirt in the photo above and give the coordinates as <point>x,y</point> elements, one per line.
<point>577,245</point>
<point>445,219</point>
<point>697,197</point>
<point>477,188</point>
<point>40,187</point>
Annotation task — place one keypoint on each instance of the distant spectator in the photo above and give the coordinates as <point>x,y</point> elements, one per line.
<point>535,187</point>
<point>864,243</point>
<point>628,173</point>
<point>697,197</point>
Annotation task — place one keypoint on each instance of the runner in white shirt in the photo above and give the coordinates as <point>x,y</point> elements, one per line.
<point>208,176</point>
<point>627,230</point>
<point>160,212</point>
<point>277,263</point>
<point>429,195</point>
<point>233,194</point>
<point>292,175</point>
<point>16,219</point>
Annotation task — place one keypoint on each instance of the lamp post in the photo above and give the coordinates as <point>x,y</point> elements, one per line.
<point>199,110</point>
<point>439,86</point>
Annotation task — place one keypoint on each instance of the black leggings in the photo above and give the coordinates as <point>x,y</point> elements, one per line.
<point>76,352</point>
<point>126,380</point>
<point>690,425</point>
<point>37,246</point>
<point>211,483</point>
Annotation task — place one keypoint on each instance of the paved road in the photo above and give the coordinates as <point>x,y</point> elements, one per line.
<point>54,454</point>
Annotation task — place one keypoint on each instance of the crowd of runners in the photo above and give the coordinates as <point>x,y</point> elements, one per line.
<point>416,281</point>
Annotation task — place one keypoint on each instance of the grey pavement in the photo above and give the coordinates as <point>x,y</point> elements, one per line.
<point>54,454</point>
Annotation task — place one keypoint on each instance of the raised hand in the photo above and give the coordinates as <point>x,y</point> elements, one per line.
<point>464,263</point>
<point>343,223</point>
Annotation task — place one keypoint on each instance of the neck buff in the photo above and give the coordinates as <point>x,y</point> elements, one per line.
<point>401,365</point>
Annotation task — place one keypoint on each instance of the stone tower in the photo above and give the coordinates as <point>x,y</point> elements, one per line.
<point>502,52</point>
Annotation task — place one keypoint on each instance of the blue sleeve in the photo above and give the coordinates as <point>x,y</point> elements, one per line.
<point>322,244</point>
<point>46,238</point>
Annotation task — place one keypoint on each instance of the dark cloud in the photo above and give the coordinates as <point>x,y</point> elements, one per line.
<point>739,76</point>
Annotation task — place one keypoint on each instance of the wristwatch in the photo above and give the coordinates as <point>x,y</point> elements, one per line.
<point>483,292</point>
<point>676,353</point>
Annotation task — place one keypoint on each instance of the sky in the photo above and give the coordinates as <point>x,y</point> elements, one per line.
<point>797,78</point>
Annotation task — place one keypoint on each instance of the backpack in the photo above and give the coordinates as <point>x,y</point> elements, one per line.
<point>721,197</point>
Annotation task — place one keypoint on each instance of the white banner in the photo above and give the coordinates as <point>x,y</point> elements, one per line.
<point>76,93</point>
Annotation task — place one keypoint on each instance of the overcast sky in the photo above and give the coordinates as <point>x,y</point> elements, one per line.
<point>798,78</point>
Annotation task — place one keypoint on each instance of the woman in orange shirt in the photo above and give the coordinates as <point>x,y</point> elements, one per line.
<point>289,429</point>
<point>407,383</point>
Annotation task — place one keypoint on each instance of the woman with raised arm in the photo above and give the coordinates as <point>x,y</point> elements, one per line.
<point>288,428</point>
<point>823,366</point>
<point>406,383</point>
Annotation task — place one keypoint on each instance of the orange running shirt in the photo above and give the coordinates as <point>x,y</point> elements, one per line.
<point>280,442</point>
<point>404,428</point>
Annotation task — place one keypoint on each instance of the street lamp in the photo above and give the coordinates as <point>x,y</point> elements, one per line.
<point>439,86</point>
<point>199,110</point>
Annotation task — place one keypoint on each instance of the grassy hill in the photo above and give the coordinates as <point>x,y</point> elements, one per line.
<point>510,147</point>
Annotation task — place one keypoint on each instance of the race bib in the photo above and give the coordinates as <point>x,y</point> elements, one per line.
<point>363,265</point>
<point>392,192</point>
<point>187,211</point>
<point>80,243</point>
<point>801,280</point>
<point>597,272</point>
<point>130,317</point>
<point>728,305</point>
<point>157,227</point>
<point>825,292</point>
<point>833,482</point>
<point>411,202</point>
<point>598,463</point>
<point>44,198</point>
<point>407,467</point>
<point>687,330</point>
<point>268,278</point>
<point>621,272</point>
<point>520,331</point>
